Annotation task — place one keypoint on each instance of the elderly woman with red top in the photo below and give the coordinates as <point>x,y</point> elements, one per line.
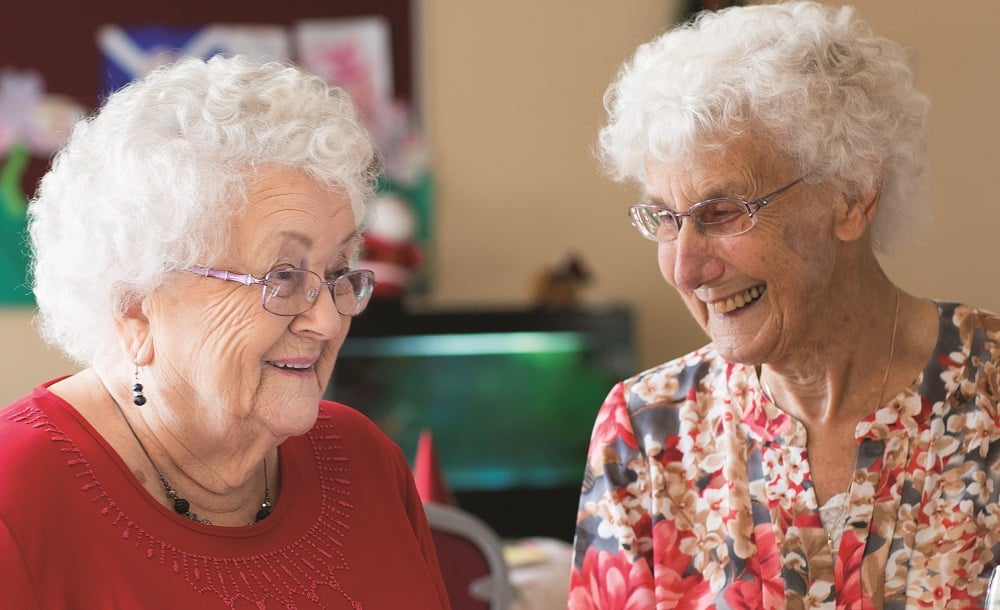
<point>192,249</point>
<point>836,443</point>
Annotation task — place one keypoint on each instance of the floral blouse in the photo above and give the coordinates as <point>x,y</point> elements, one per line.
<point>697,492</point>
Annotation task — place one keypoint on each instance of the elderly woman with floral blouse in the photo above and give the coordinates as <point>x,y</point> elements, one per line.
<point>835,445</point>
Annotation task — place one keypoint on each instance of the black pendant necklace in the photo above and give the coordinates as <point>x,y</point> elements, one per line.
<point>181,505</point>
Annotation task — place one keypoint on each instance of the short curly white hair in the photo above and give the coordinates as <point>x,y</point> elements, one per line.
<point>152,181</point>
<point>811,79</point>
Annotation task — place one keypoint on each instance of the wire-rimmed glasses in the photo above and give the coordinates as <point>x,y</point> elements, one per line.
<point>293,291</point>
<point>718,217</point>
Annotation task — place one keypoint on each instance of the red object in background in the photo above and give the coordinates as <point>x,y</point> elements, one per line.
<point>427,473</point>
<point>395,265</point>
<point>390,247</point>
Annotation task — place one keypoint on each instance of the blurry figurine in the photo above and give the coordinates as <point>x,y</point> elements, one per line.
<point>558,287</point>
<point>390,247</point>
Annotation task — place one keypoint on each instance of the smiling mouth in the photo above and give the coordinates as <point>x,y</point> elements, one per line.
<point>738,301</point>
<point>290,366</point>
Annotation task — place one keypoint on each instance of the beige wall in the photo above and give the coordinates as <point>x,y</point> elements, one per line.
<point>514,105</point>
<point>512,94</point>
<point>24,360</point>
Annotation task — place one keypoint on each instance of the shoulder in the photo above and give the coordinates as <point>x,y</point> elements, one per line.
<point>963,374</point>
<point>969,332</point>
<point>673,382</point>
<point>25,424</point>
<point>968,319</point>
<point>359,450</point>
<point>340,417</point>
<point>653,403</point>
<point>353,432</point>
<point>33,446</point>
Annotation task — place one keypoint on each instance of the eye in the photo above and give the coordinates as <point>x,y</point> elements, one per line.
<point>284,282</point>
<point>721,211</point>
<point>283,275</point>
<point>661,216</point>
<point>280,267</point>
<point>654,217</point>
<point>336,273</point>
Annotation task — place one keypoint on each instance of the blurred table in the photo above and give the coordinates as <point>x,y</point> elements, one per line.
<point>539,573</point>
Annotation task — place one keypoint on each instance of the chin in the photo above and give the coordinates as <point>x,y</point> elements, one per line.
<point>737,354</point>
<point>303,421</point>
<point>289,412</point>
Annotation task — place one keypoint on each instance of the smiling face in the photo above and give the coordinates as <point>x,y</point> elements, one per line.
<point>761,294</point>
<point>223,364</point>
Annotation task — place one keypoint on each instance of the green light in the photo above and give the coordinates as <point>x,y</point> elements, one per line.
<point>471,344</point>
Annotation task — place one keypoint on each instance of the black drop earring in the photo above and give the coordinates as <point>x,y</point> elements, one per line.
<point>137,398</point>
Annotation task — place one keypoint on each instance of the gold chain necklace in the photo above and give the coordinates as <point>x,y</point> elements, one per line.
<point>845,503</point>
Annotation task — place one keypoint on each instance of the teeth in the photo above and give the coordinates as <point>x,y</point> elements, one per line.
<point>735,302</point>
<point>285,365</point>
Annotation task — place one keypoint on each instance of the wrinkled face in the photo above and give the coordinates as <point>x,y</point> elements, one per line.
<point>757,295</point>
<point>220,358</point>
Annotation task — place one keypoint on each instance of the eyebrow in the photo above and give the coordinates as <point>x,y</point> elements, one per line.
<point>355,235</point>
<point>726,190</point>
<point>352,241</point>
<point>305,240</point>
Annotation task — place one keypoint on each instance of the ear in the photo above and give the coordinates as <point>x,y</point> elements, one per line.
<point>856,216</point>
<point>134,334</point>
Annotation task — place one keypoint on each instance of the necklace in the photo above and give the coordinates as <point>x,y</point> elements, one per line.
<point>181,505</point>
<point>838,523</point>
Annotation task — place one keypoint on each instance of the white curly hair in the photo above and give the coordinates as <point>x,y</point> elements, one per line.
<point>151,182</point>
<point>811,79</point>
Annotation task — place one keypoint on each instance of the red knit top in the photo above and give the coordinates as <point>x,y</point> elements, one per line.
<point>78,530</point>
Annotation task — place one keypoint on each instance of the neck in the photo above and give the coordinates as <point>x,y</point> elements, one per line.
<point>844,374</point>
<point>185,496</point>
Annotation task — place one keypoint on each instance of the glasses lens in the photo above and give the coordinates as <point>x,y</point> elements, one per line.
<point>289,292</point>
<point>352,291</point>
<point>722,217</point>
<point>654,222</point>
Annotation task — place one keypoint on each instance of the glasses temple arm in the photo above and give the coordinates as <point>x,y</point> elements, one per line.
<point>763,201</point>
<point>246,279</point>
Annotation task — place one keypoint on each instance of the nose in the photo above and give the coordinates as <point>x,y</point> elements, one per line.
<point>689,261</point>
<point>322,320</point>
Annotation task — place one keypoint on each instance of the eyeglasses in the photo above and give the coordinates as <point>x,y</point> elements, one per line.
<point>290,292</point>
<point>719,217</point>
